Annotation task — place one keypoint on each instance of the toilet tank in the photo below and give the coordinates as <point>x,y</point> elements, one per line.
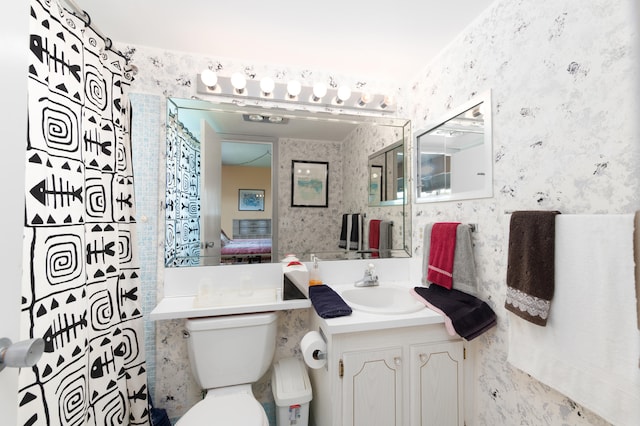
<point>231,350</point>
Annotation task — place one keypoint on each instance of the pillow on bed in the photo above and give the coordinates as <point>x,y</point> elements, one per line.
<point>224,240</point>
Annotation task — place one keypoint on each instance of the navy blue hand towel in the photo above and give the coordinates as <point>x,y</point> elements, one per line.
<point>469,315</point>
<point>328,303</point>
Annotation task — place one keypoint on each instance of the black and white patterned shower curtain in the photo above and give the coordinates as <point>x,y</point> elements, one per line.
<point>81,285</point>
<point>182,212</point>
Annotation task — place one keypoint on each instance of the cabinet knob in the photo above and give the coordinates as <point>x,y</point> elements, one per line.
<point>423,357</point>
<point>397,361</point>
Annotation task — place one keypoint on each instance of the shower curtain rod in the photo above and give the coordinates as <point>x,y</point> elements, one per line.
<point>82,14</point>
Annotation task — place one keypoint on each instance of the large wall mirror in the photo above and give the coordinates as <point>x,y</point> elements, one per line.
<point>454,155</point>
<point>229,193</point>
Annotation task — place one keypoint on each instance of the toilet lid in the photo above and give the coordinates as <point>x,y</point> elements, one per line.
<point>225,410</point>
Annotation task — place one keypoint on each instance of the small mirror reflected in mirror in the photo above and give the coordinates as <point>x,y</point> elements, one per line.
<point>386,176</point>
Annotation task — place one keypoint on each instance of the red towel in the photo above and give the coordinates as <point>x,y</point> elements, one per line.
<point>374,236</point>
<point>441,254</point>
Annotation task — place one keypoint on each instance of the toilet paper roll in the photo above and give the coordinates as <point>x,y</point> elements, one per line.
<point>312,345</point>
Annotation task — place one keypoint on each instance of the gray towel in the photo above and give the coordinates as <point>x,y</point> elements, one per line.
<point>464,265</point>
<point>384,244</point>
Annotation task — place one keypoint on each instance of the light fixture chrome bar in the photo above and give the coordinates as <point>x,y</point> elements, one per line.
<point>252,91</point>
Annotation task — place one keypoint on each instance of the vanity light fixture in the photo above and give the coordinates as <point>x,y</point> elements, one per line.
<point>266,86</point>
<point>320,96</point>
<point>239,83</point>
<point>319,92</point>
<point>293,89</point>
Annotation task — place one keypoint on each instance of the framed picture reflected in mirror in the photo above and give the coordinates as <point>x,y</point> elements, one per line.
<point>251,199</point>
<point>309,183</point>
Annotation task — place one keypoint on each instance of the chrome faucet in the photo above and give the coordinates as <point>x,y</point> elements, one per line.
<point>370,278</point>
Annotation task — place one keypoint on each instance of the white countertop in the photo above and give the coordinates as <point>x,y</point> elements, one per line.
<point>184,307</point>
<point>179,306</point>
<point>364,321</point>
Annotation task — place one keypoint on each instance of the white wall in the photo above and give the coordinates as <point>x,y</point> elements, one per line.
<point>14,29</point>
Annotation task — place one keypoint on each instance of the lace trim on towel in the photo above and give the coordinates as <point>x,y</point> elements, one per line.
<point>532,305</point>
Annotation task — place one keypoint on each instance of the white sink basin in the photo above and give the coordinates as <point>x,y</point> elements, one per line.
<point>381,300</point>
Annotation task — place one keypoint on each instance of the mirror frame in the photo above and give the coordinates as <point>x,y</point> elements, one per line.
<point>487,155</point>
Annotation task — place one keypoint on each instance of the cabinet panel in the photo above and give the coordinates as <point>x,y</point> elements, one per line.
<point>436,373</point>
<point>372,388</point>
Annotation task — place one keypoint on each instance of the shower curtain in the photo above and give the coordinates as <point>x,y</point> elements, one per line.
<point>81,274</point>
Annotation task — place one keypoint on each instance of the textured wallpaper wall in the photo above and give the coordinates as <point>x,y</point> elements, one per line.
<point>300,226</point>
<point>563,74</point>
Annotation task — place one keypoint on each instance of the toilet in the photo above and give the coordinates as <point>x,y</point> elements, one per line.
<point>228,354</point>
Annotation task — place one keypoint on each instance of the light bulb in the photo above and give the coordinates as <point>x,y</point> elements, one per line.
<point>365,98</point>
<point>256,117</point>
<point>387,101</point>
<point>483,109</point>
<point>319,91</point>
<point>209,78</point>
<point>267,85</point>
<point>293,88</point>
<point>344,93</point>
<point>239,82</point>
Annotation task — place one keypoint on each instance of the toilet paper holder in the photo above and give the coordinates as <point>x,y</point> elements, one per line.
<point>318,354</point>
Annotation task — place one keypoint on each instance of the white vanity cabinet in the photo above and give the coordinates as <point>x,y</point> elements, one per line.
<point>396,376</point>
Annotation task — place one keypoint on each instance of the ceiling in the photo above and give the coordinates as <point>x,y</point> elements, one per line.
<point>248,151</point>
<point>227,120</point>
<point>387,41</point>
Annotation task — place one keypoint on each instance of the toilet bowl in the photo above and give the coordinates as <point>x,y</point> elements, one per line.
<point>227,354</point>
<point>235,405</point>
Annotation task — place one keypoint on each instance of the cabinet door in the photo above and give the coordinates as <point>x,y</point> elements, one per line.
<point>436,384</point>
<point>372,388</point>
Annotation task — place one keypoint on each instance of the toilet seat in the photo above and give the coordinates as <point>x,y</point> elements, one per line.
<point>224,410</point>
